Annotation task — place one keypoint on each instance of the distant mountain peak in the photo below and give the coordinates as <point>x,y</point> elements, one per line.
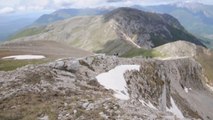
<point>188,4</point>
<point>62,14</point>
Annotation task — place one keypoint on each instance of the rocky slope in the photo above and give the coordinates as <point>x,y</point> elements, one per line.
<point>183,49</point>
<point>70,89</point>
<point>122,28</point>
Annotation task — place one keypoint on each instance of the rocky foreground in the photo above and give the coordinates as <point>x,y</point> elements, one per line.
<point>69,89</point>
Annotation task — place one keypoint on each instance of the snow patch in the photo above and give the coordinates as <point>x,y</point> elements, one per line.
<point>175,110</point>
<point>44,118</point>
<point>114,79</point>
<point>210,87</point>
<point>149,104</point>
<point>143,102</point>
<point>24,57</point>
<point>186,90</point>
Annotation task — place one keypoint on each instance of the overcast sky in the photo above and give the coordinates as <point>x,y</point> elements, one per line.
<point>10,6</point>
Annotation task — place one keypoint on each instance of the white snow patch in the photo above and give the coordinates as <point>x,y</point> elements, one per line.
<point>114,80</point>
<point>149,104</point>
<point>143,102</point>
<point>44,118</point>
<point>210,87</point>
<point>24,57</point>
<point>175,110</point>
<point>186,90</point>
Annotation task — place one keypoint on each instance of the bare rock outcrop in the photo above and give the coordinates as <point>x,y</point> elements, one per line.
<point>68,89</point>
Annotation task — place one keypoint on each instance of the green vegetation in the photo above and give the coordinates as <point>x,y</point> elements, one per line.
<point>142,52</point>
<point>8,65</point>
<point>182,35</point>
<point>28,32</point>
<point>206,62</point>
<point>158,40</point>
<point>177,34</point>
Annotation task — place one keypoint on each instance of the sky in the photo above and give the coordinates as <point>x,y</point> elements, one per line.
<point>11,6</point>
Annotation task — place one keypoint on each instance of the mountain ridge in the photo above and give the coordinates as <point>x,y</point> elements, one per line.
<point>139,29</point>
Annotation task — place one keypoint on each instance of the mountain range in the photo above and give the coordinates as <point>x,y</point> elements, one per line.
<point>118,31</point>
<point>195,17</point>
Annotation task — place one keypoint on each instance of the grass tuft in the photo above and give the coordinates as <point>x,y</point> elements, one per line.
<point>141,52</point>
<point>8,65</point>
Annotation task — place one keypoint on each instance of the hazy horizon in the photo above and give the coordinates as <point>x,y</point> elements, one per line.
<point>21,6</point>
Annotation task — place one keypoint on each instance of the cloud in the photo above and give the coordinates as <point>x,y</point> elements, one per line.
<point>8,6</point>
<point>88,3</point>
<point>32,5</point>
<point>6,10</point>
<point>77,3</point>
<point>27,5</point>
<point>141,2</point>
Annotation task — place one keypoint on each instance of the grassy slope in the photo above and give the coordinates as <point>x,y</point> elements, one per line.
<point>177,35</point>
<point>91,36</point>
<point>50,49</point>
<point>141,52</point>
<point>89,33</point>
<point>115,47</point>
<point>7,65</point>
<point>206,61</point>
<point>28,32</point>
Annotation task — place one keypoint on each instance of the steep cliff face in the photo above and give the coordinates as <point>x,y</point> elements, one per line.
<point>183,49</point>
<point>180,80</point>
<point>70,89</point>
